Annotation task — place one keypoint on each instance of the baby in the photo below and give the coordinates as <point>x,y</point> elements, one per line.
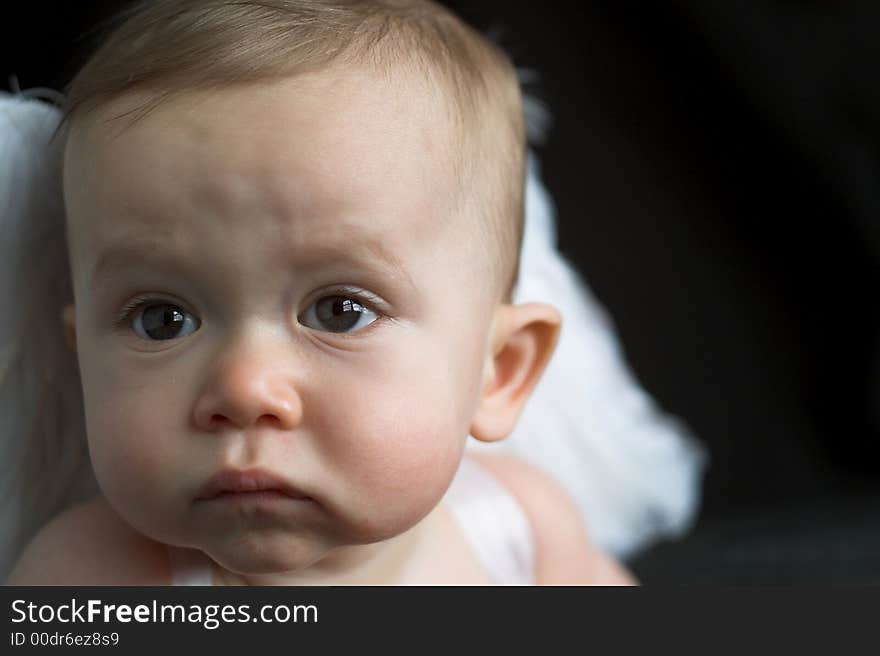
<point>293,229</point>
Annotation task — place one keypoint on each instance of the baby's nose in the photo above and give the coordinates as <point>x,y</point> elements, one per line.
<point>245,394</point>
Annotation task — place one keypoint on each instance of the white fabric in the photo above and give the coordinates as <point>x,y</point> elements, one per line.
<point>42,468</point>
<point>634,472</point>
<point>492,521</point>
<point>494,525</point>
<point>24,126</point>
<point>189,567</point>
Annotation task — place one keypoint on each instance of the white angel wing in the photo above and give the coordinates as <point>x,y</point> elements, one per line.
<point>43,461</point>
<point>634,472</point>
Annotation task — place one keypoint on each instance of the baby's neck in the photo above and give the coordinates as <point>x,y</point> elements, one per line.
<point>380,563</point>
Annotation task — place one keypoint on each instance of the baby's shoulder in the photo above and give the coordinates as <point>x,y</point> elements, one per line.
<point>564,553</point>
<point>89,544</point>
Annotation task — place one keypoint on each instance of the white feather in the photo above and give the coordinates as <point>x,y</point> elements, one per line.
<point>43,459</point>
<point>634,472</point>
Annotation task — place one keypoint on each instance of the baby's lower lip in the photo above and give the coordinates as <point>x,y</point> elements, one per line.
<point>267,496</point>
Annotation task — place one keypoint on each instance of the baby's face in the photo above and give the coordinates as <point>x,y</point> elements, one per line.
<point>306,305</point>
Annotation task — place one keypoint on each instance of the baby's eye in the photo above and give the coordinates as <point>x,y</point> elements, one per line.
<point>162,321</point>
<point>337,314</point>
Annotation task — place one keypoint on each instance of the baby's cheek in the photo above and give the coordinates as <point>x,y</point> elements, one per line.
<point>396,443</point>
<point>133,454</point>
<point>394,485</point>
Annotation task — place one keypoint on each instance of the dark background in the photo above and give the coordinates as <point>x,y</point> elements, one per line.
<point>716,168</point>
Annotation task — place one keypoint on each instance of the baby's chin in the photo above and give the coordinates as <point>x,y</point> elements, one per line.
<point>264,553</point>
<point>305,556</point>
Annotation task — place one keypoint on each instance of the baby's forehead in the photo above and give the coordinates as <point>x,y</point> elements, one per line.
<point>327,158</point>
<point>341,133</point>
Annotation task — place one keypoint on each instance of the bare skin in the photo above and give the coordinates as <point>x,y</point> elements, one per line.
<point>103,550</point>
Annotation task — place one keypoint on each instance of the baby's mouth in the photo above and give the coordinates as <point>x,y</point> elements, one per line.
<point>249,483</point>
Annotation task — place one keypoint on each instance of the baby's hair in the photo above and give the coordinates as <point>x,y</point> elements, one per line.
<point>169,47</point>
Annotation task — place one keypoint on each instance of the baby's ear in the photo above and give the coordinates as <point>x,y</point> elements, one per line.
<point>68,321</point>
<point>522,340</point>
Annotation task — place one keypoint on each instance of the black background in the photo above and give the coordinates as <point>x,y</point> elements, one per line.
<point>716,168</point>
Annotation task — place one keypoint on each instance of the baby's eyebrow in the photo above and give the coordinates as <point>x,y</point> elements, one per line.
<point>368,251</point>
<point>133,252</point>
<point>127,254</point>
